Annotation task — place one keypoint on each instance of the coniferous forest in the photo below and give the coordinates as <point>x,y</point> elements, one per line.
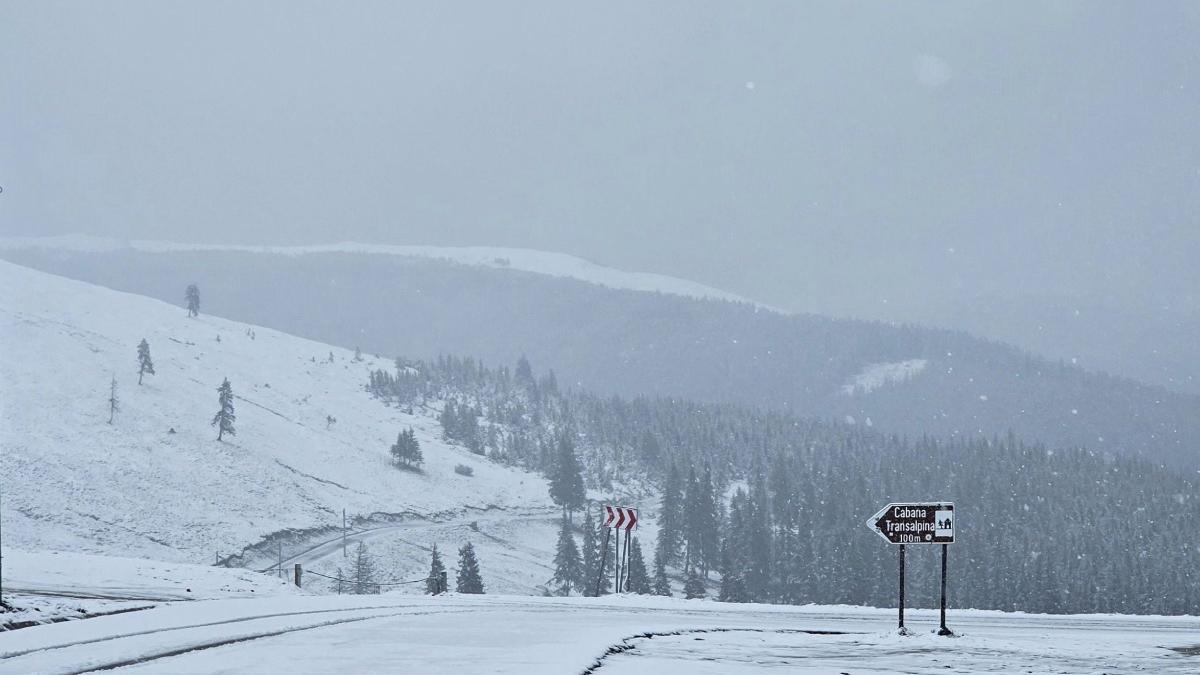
<point>771,507</point>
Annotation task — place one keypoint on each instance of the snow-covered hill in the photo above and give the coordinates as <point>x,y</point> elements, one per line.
<point>156,483</point>
<point>526,260</point>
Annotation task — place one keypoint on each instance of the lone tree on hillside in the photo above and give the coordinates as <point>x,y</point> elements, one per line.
<point>566,484</point>
<point>365,577</point>
<point>114,403</point>
<point>192,295</point>
<point>406,451</point>
<point>468,580</point>
<point>225,418</point>
<point>435,583</point>
<point>145,364</point>
<point>568,568</point>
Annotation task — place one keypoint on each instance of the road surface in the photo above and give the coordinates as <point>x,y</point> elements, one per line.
<point>496,634</point>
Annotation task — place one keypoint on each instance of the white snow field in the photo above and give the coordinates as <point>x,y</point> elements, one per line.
<point>877,375</point>
<point>527,635</point>
<point>157,484</point>
<point>526,260</point>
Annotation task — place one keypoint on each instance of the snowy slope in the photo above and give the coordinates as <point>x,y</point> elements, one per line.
<point>526,260</point>
<point>73,482</point>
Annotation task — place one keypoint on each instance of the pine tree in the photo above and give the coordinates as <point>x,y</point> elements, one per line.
<point>694,587</point>
<point>662,586</point>
<point>449,420</point>
<point>145,364</point>
<point>406,451</point>
<point>708,524</point>
<point>192,295</point>
<point>114,402</point>
<point>568,568</point>
<point>435,583</point>
<point>365,580</point>
<point>225,418</point>
<point>590,554</point>
<point>638,580</point>
<point>733,589</point>
<point>468,580</point>
<point>566,484</point>
<point>670,532</point>
<point>468,429</point>
<point>691,522</point>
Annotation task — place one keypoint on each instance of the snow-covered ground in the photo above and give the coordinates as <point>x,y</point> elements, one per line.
<point>498,634</point>
<point>157,484</point>
<point>81,575</point>
<point>523,259</point>
<point>877,375</point>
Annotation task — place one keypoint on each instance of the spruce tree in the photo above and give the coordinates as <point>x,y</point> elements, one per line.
<point>733,589</point>
<point>192,295</point>
<point>662,586</point>
<point>638,580</point>
<point>694,587</point>
<point>670,516</point>
<point>225,418</point>
<point>114,402</point>
<point>468,580</point>
<point>708,523</point>
<point>435,583</point>
<point>691,523</point>
<point>601,563</point>
<point>365,580</point>
<point>406,451</point>
<point>568,568</point>
<point>566,484</point>
<point>590,555</point>
<point>145,364</point>
<point>449,420</point>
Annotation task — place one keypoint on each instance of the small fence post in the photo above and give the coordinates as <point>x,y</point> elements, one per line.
<point>298,575</point>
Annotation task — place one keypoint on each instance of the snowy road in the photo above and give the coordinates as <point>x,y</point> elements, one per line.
<point>497,634</point>
<point>329,547</point>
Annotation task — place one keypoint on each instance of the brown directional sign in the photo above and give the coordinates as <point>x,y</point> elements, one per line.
<point>915,523</point>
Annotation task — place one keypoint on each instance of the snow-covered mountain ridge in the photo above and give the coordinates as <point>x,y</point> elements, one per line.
<point>156,483</point>
<point>546,263</point>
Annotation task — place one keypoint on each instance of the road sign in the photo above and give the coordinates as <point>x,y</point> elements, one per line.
<point>620,517</point>
<point>915,523</point>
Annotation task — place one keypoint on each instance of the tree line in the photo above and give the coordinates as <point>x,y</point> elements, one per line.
<point>770,507</point>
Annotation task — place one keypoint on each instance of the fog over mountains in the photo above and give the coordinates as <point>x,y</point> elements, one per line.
<point>897,378</point>
<point>989,167</point>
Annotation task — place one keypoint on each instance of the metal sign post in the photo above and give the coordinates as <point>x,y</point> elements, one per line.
<point>619,518</point>
<point>902,628</point>
<point>917,523</point>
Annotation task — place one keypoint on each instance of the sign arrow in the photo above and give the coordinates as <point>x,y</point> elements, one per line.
<point>915,523</point>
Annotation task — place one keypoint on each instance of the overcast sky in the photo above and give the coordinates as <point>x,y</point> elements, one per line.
<point>857,159</point>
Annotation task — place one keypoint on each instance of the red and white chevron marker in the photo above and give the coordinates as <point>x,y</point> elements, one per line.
<point>620,517</point>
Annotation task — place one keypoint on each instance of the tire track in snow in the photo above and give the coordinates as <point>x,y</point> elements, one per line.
<point>121,636</point>
<point>221,642</point>
<point>628,644</point>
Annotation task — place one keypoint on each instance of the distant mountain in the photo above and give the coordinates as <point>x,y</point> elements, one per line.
<point>1153,342</point>
<point>896,378</point>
